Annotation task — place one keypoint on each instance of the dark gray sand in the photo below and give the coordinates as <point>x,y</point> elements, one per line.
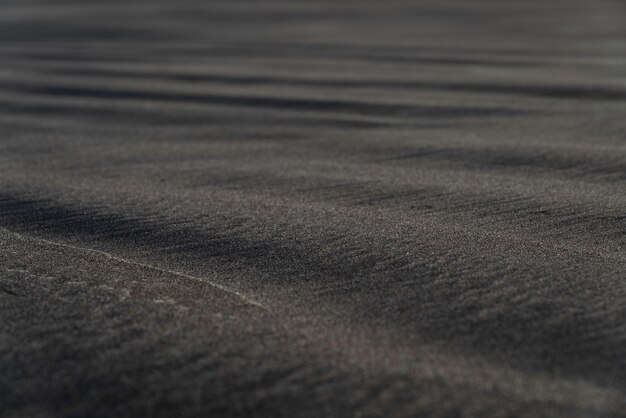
<point>313,208</point>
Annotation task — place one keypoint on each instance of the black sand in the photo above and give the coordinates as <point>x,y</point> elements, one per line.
<point>313,208</point>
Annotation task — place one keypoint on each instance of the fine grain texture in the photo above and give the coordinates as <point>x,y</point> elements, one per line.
<point>313,208</point>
